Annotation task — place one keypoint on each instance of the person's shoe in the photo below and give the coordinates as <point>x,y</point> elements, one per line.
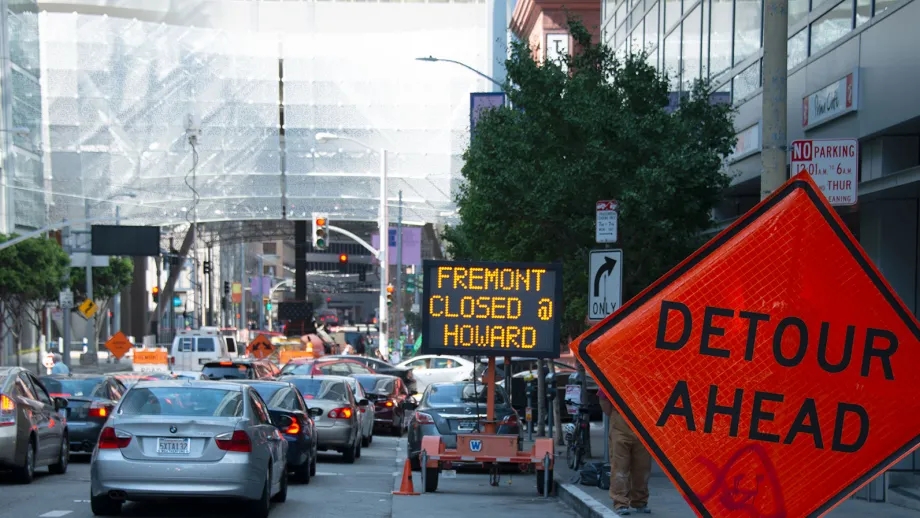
<point>642,510</point>
<point>622,511</point>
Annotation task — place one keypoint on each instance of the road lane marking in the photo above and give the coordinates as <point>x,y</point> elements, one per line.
<point>369,492</point>
<point>54,514</point>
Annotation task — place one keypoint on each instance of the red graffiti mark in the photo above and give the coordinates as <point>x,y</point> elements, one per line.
<point>747,483</point>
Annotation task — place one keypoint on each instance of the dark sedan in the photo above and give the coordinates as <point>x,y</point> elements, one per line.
<point>90,400</point>
<point>447,409</point>
<point>391,399</point>
<point>283,398</point>
<point>382,367</point>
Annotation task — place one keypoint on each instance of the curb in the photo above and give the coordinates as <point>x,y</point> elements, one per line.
<point>584,504</point>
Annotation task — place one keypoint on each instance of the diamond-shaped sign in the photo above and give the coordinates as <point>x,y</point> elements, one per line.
<point>260,347</point>
<point>767,373</point>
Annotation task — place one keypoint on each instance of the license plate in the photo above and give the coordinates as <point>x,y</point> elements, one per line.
<point>173,446</point>
<point>466,426</point>
<point>449,473</point>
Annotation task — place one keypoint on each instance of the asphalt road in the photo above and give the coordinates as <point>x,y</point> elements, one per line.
<point>361,489</point>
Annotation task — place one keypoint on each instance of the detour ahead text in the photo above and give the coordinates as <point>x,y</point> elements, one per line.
<point>787,341</point>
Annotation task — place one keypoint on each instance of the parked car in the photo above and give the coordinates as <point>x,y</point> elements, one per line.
<point>184,439</point>
<point>447,409</point>
<point>32,431</point>
<point>366,414</point>
<point>430,368</point>
<point>382,367</point>
<point>238,369</point>
<point>90,401</point>
<point>130,379</point>
<point>338,427</point>
<point>392,401</point>
<point>283,398</point>
<point>325,365</point>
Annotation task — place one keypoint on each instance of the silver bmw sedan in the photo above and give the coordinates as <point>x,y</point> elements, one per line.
<point>194,439</point>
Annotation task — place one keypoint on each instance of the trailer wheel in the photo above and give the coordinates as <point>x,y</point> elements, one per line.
<point>431,479</point>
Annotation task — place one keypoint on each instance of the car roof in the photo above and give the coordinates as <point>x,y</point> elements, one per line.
<point>235,361</point>
<point>82,376</point>
<point>263,382</point>
<point>189,383</point>
<point>8,370</point>
<point>374,376</point>
<point>321,377</point>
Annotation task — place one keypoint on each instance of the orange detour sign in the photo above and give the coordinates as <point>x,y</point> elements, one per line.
<point>118,345</point>
<point>767,372</point>
<point>260,347</point>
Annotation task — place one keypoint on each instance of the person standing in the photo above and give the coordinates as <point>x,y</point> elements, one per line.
<point>59,366</point>
<point>630,464</point>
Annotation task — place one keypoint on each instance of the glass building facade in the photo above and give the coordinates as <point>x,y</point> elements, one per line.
<point>723,39</point>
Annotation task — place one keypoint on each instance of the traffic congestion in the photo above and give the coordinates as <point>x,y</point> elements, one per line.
<point>205,427</point>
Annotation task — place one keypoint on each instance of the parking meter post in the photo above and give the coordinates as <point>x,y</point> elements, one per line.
<point>423,457</point>
<point>546,475</point>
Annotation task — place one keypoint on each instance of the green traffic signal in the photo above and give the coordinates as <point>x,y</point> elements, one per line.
<point>268,306</point>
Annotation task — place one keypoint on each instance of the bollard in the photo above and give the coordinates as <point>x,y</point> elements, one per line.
<point>546,475</point>
<point>423,457</point>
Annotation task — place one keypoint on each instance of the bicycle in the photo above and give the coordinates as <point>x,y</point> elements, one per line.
<point>575,435</point>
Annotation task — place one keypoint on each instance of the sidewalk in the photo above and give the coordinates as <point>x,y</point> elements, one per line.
<point>665,500</point>
<point>31,361</point>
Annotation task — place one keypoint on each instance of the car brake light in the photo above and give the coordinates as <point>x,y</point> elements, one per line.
<point>110,439</point>
<point>237,441</point>
<point>341,413</point>
<point>388,404</point>
<point>7,411</point>
<point>294,429</point>
<point>172,360</point>
<point>59,394</point>
<point>510,419</point>
<point>100,410</point>
<point>226,364</point>
<point>423,418</point>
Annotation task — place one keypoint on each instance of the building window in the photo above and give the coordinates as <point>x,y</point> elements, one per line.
<point>832,26</point>
<point>621,14</point>
<point>652,59</point>
<point>704,52</point>
<point>863,11</point>
<point>671,60</point>
<point>690,52</point>
<point>883,5</point>
<point>797,49</point>
<point>637,13</point>
<point>651,28</point>
<point>269,248</point>
<point>637,38</point>
<point>746,83</point>
<point>747,29</point>
<point>672,11</point>
<point>720,38</point>
<point>798,10</point>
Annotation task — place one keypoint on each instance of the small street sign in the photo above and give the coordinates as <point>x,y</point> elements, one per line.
<point>48,361</point>
<point>119,345</point>
<point>88,308</point>
<point>605,283</point>
<point>65,299</point>
<point>767,384</point>
<point>607,222</point>
<point>260,347</point>
<point>832,164</point>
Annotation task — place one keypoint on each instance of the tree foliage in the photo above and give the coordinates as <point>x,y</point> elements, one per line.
<point>533,171</point>
<point>107,282</point>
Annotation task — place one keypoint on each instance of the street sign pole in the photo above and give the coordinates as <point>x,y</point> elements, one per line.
<point>66,314</point>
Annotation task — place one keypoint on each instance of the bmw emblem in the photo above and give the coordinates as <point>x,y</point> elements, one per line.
<point>173,429</point>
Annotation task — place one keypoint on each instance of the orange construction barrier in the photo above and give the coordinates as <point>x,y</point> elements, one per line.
<point>406,488</point>
<point>287,356</point>
<point>141,357</point>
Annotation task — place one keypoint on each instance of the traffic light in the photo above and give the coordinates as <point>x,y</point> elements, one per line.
<point>156,294</point>
<point>206,267</point>
<point>343,258</point>
<point>226,287</point>
<point>320,231</point>
<point>177,301</point>
<point>390,291</point>
<point>410,283</point>
<point>268,304</point>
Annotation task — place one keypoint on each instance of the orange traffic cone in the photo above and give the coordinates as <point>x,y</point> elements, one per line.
<point>406,488</point>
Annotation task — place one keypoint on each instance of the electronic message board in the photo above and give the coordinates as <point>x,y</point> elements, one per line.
<point>491,309</point>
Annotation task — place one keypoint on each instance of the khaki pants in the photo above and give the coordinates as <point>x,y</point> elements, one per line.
<point>630,463</point>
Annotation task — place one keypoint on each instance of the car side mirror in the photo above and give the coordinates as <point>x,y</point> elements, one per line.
<point>363,402</point>
<point>60,403</point>
<point>283,421</point>
<point>316,412</point>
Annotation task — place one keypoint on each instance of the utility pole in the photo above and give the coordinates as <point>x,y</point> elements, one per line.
<point>399,266</point>
<point>116,300</point>
<point>90,322</point>
<point>210,285</point>
<point>244,321</point>
<point>261,283</point>
<point>775,74</point>
<point>65,311</point>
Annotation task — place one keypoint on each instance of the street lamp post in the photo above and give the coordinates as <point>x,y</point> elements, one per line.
<point>432,59</point>
<point>383,226</point>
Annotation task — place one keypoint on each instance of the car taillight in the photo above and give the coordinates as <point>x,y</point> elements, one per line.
<point>423,418</point>
<point>100,410</point>
<point>389,403</point>
<point>111,439</point>
<point>510,419</point>
<point>7,411</point>
<point>340,413</point>
<point>294,429</point>
<point>172,360</point>
<point>59,394</point>
<point>237,441</point>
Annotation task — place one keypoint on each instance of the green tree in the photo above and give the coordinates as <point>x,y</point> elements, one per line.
<point>599,131</point>
<point>31,274</point>
<point>107,282</point>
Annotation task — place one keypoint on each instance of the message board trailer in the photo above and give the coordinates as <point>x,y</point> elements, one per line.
<point>766,385</point>
<point>490,309</point>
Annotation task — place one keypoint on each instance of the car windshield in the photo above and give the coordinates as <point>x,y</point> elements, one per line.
<point>373,385</point>
<point>298,368</point>
<point>461,393</point>
<point>316,388</point>
<point>266,390</point>
<point>182,401</point>
<point>227,372</point>
<point>71,387</point>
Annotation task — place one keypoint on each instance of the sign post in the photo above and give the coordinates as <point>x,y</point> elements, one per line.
<point>605,283</point>
<point>766,384</point>
<point>832,164</point>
